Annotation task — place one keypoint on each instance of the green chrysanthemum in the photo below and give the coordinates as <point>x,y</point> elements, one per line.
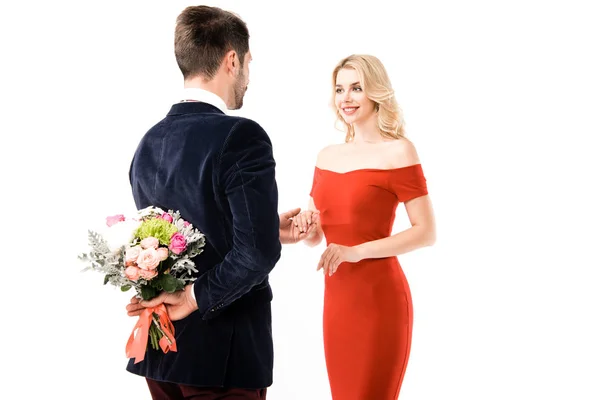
<point>158,228</point>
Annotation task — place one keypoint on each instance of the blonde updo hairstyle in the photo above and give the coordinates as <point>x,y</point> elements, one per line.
<point>376,84</point>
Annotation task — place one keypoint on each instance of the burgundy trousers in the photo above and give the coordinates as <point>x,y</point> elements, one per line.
<point>172,391</point>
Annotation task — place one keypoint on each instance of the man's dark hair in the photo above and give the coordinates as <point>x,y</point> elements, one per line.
<point>203,35</point>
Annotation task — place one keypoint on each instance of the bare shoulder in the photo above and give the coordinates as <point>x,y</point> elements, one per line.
<point>327,154</point>
<point>402,153</point>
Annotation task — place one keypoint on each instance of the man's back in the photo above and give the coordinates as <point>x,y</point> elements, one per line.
<point>219,172</point>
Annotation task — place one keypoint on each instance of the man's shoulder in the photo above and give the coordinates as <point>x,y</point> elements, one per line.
<point>209,129</point>
<point>213,123</point>
<point>245,129</point>
<point>216,120</point>
<point>226,123</point>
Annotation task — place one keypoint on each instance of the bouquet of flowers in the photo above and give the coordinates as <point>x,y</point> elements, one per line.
<point>150,253</point>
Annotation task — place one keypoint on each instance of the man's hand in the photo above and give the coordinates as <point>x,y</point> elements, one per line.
<point>290,233</point>
<point>179,304</point>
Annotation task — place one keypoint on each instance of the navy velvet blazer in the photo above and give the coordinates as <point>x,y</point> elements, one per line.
<point>219,172</point>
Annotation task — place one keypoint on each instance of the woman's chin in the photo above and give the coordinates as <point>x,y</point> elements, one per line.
<point>349,119</point>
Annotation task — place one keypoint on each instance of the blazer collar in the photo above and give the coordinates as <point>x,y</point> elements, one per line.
<point>193,107</point>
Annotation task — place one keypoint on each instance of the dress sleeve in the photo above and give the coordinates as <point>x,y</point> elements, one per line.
<point>408,183</point>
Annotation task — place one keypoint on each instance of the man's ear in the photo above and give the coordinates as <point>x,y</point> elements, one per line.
<point>231,62</point>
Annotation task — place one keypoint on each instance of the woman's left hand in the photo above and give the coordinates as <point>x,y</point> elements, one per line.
<point>336,254</point>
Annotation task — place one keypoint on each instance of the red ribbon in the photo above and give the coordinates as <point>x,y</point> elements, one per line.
<point>138,340</point>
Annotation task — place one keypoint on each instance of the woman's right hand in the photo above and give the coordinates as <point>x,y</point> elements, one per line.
<point>305,220</point>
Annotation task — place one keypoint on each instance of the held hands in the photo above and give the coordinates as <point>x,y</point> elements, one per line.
<point>306,222</point>
<point>295,226</point>
<point>336,254</point>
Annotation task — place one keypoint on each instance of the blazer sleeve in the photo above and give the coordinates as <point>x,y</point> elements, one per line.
<point>246,174</point>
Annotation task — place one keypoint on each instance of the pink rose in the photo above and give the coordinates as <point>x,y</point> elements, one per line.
<point>167,217</point>
<point>110,221</point>
<point>132,254</point>
<point>163,253</point>
<point>148,259</point>
<point>148,274</point>
<point>186,224</point>
<point>149,243</point>
<point>132,273</point>
<point>178,243</point>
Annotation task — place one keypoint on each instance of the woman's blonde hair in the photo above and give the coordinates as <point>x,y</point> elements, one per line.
<point>376,84</point>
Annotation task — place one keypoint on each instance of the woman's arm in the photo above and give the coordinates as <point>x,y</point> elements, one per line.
<point>422,233</point>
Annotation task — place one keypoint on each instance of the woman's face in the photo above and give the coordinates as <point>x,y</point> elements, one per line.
<point>351,101</point>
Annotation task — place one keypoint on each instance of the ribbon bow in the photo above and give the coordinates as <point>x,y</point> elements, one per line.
<point>138,340</point>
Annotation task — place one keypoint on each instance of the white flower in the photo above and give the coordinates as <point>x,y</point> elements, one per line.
<point>120,234</point>
<point>144,212</point>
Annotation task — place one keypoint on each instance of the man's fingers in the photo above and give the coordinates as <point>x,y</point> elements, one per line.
<point>134,300</point>
<point>135,313</point>
<point>291,213</point>
<point>131,306</point>
<point>155,301</point>
<point>134,310</point>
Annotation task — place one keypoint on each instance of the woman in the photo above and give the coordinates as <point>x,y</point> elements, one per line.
<point>357,186</point>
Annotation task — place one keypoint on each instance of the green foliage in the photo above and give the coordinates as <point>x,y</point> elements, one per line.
<point>157,228</point>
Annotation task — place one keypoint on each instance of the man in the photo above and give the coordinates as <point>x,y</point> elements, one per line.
<point>219,172</point>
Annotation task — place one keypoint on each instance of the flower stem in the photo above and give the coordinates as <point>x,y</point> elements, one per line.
<point>153,337</point>
<point>160,330</point>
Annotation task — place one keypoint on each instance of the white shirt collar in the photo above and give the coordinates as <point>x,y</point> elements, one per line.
<point>204,96</point>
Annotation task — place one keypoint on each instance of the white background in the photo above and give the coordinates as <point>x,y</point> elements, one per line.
<point>501,100</point>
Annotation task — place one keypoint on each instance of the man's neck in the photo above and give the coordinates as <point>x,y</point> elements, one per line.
<point>213,86</point>
<point>193,94</point>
